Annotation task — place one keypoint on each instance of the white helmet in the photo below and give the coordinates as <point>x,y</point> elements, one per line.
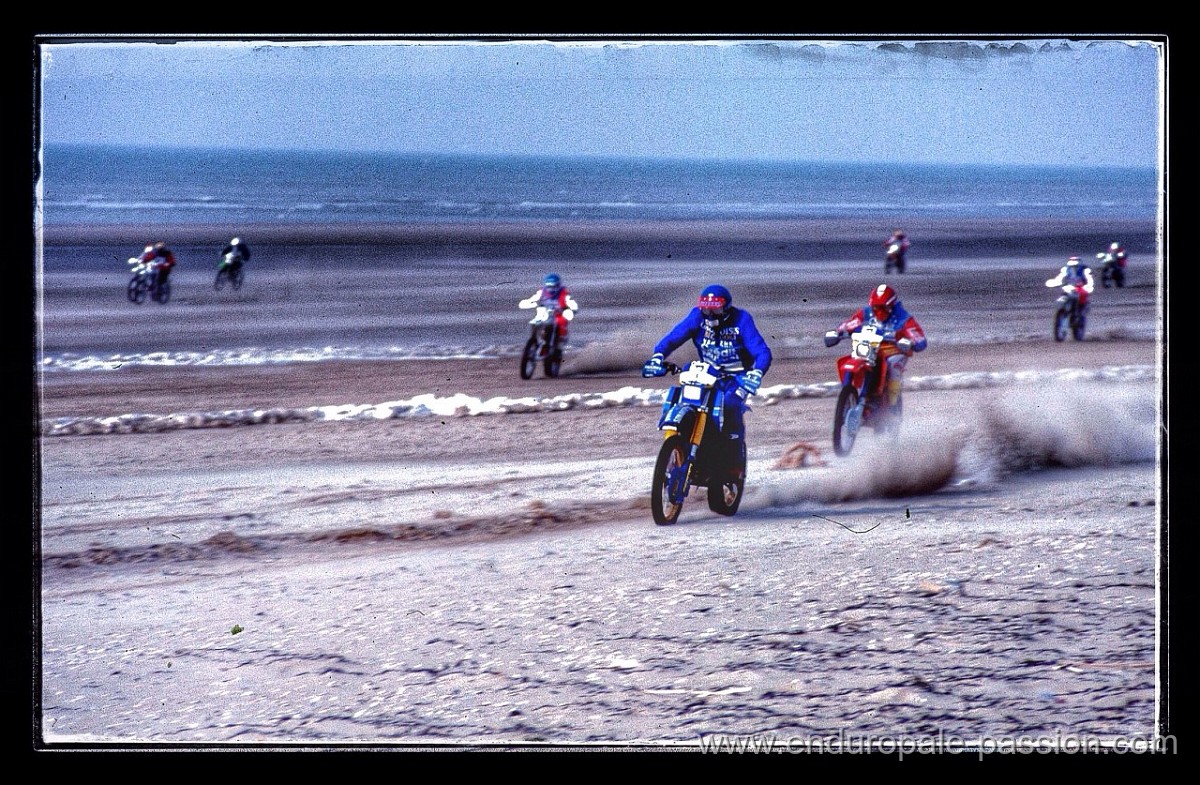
<point>235,241</point>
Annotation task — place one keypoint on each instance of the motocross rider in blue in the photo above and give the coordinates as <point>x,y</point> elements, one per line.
<point>727,338</point>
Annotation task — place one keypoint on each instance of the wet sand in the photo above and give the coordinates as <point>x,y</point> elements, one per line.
<point>497,580</point>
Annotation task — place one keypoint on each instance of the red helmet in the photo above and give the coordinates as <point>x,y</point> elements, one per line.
<point>883,300</point>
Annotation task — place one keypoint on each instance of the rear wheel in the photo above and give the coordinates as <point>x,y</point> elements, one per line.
<point>529,358</point>
<point>669,474</point>
<point>162,292</point>
<point>845,421</point>
<point>553,362</point>
<point>891,416</point>
<point>219,281</point>
<point>1077,325</point>
<point>237,276</point>
<point>725,488</point>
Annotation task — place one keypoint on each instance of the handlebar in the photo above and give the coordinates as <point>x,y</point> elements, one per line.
<point>671,369</point>
<point>833,338</point>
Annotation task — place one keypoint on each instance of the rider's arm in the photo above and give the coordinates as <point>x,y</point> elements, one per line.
<point>851,324</point>
<point>531,301</point>
<point>570,302</point>
<point>1091,282</point>
<point>686,330</point>
<point>1058,279</point>
<point>755,344</point>
<point>913,332</point>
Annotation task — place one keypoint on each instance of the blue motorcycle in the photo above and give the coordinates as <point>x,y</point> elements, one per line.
<point>694,451</point>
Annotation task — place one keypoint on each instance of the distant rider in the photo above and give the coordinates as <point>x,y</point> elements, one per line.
<point>899,237</point>
<point>1115,255</point>
<point>888,316</point>
<point>1116,252</point>
<point>554,297</point>
<point>1075,279</point>
<point>727,338</point>
<point>160,258</point>
<point>240,251</point>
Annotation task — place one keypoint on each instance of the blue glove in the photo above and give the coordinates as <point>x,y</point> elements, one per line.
<point>654,366</point>
<point>750,381</point>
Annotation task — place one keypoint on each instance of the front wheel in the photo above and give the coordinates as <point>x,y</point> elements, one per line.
<point>136,292</point>
<point>845,421</point>
<point>670,476</point>
<point>529,358</point>
<point>1060,324</point>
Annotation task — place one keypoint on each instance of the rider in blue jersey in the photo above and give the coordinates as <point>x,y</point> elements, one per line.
<point>726,337</point>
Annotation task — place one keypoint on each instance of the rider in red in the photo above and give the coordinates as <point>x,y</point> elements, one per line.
<point>162,259</point>
<point>555,297</point>
<point>886,314</point>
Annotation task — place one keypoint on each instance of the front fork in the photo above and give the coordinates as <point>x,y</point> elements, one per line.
<point>679,483</point>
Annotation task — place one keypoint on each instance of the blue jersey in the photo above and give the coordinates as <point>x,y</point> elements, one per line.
<point>735,345</point>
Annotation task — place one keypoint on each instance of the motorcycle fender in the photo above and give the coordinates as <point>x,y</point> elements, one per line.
<point>677,417</point>
<point>852,371</point>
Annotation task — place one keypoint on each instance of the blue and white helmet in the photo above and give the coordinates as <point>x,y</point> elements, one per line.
<point>553,282</point>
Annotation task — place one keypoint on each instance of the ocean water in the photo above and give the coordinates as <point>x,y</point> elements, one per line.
<point>90,185</point>
<point>314,304</point>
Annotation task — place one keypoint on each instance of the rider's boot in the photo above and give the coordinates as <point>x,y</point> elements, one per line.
<point>893,392</point>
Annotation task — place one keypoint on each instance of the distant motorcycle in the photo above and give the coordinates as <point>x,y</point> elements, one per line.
<point>543,345</point>
<point>145,282</point>
<point>895,259</point>
<point>1068,314</point>
<point>694,452</point>
<point>1112,269</point>
<point>861,401</point>
<point>230,271</point>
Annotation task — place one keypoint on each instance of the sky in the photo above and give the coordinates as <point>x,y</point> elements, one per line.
<point>1076,102</point>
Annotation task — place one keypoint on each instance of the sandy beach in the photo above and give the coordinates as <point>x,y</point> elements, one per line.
<point>495,580</point>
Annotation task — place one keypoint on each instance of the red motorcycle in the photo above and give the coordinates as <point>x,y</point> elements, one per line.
<point>862,401</point>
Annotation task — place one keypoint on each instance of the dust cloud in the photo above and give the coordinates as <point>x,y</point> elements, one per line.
<point>1022,428</point>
